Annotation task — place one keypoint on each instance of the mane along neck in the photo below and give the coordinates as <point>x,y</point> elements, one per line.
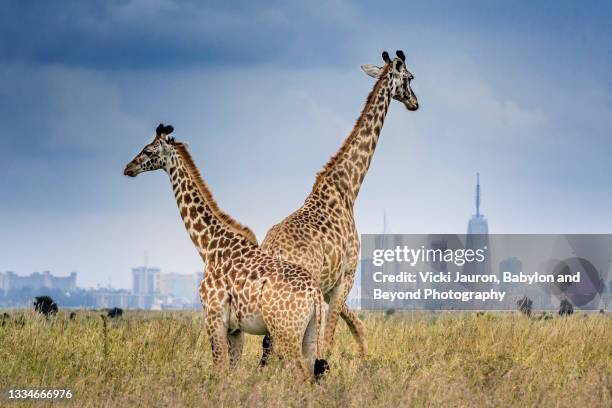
<point>360,124</point>
<point>228,221</point>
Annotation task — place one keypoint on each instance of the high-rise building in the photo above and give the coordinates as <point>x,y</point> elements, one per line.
<point>478,223</point>
<point>145,284</point>
<point>513,265</point>
<point>145,280</point>
<point>183,286</point>
<point>477,238</point>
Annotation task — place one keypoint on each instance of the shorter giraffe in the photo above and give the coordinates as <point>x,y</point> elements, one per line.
<point>244,289</point>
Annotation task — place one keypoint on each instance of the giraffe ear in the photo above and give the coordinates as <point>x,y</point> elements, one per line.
<point>371,70</point>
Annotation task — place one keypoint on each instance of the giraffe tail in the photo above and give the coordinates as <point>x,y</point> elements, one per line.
<point>321,366</point>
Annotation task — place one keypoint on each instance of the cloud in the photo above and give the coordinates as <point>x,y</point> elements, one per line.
<point>140,34</point>
<point>265,94</point>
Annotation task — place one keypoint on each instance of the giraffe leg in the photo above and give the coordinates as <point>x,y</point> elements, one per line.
<point>336,300</point>
<point>356,327</point>
<point>267,347</point>
<point>290,344</point>
<point>309,343</point>
<point>217,333</point>
<point>236,341</point>
<point>288,333</point>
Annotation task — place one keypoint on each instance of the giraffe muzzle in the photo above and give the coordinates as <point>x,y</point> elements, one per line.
<point>130,171</point>
<point>411,104</point>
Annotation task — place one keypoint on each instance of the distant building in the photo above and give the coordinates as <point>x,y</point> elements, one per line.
<point>478,223</point>
<point>182,286</point>
<point>145,285</point>
<point>477,238</point>
<point>514,265</point>
<point>145,281</point>
<point>107,298</point>
<point>11,281</point>
<point>511,264</point>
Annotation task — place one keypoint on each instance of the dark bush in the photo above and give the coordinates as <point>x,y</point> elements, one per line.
<point>566,308</point>
<point>5,318</point>
<point>525,305</point>
<point>45,305</point>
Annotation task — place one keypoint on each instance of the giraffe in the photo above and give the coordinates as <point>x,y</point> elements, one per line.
<point>321,235</point>
<point>244,290</point>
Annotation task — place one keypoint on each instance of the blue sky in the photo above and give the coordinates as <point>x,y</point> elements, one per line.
<point>265,93</point>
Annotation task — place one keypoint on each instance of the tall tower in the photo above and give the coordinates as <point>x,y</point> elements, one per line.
<point>477,194</point>
<point>477,238</point>
<point>478,223</point>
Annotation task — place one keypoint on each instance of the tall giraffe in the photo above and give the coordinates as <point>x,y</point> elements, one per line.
<point>321,235</point>
<point>244,289</point>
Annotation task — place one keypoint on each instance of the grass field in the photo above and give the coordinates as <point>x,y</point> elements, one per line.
<point>416,359</point>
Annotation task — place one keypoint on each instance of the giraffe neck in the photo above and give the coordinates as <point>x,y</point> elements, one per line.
<point>346,170</point>
<point>210,229</point>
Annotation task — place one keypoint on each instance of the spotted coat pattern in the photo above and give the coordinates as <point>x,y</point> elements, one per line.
<point>321,235</point>
<point>244,290</point>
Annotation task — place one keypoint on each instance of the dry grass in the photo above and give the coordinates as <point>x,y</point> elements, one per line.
<point>417,359</point>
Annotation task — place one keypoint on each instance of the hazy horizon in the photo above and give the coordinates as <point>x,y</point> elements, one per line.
<point>265,93</point>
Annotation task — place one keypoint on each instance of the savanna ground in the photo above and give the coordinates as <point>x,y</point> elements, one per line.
<point>416,359</point>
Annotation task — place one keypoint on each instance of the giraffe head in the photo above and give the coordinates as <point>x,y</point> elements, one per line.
<point>156,155</point>
<point>399,78</point>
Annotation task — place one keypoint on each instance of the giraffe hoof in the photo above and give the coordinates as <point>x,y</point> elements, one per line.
<point>321,366</point>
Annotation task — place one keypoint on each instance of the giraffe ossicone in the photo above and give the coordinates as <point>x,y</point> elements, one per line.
<point>244,290</point>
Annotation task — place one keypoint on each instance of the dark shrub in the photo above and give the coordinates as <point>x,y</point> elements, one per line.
<point>525,305</point>
<point>45,305</point>
<point>566,308</point>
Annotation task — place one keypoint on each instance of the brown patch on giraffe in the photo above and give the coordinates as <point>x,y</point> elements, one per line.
<point>203,241</point>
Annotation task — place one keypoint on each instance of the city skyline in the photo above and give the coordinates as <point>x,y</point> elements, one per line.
<point>151,289</point>
<point>265,94</point>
